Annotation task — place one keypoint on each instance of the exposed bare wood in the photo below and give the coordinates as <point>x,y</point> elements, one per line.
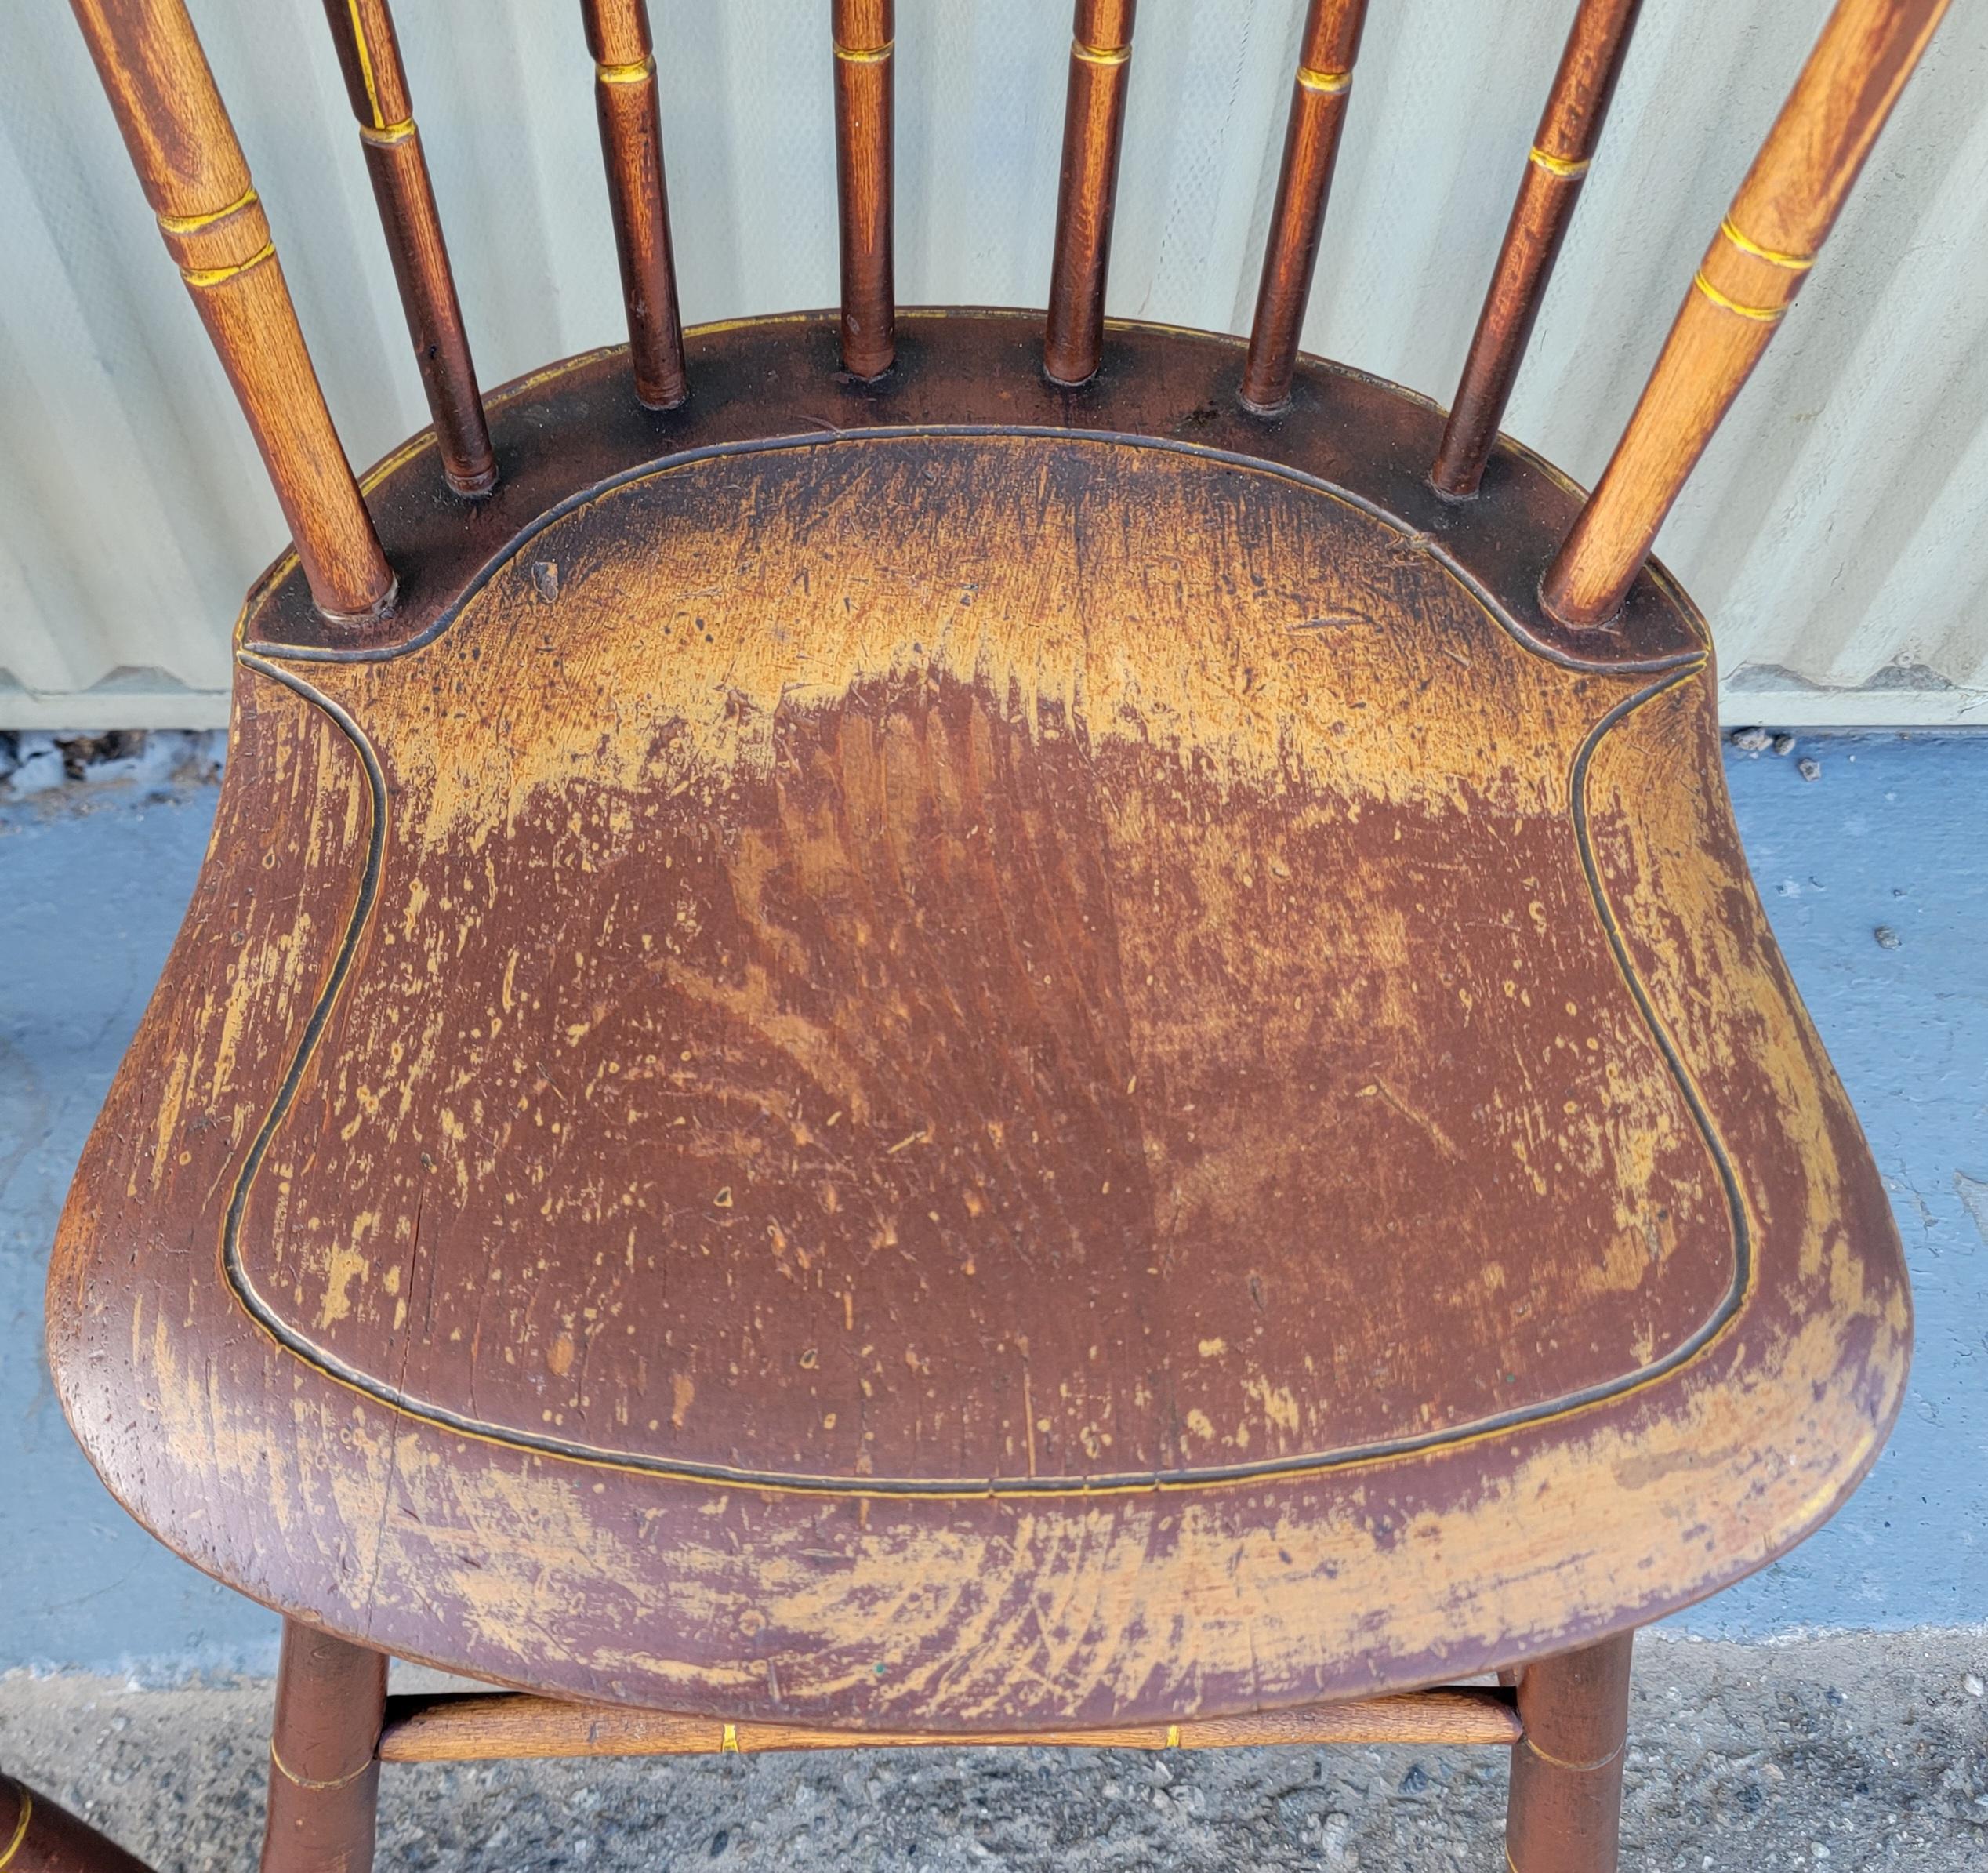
<point>369,55</point>
<point>631,145</point>
<point>469,1727</point>
<point>865,34</point>
<point>1756,263</point>
<point>195,178</point>
<point>1093,127</point>
<point>1555,168</point>
<point>1318,98</point>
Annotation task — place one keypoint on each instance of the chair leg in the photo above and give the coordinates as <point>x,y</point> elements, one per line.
<point>38,1836</point>
<point>1566,1810</point>
<point>323,1774</point>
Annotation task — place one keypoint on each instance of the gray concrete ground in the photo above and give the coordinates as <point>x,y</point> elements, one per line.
<point>1837,1754</point>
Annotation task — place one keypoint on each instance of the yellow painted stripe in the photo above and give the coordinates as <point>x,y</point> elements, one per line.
<point>192,224</point>
<point>728,1744</point>
<point>213,276</point>
<point>625,74</point>
<point>1572,167</point>
<point>20,1827</point>
<point>1329,83</point>
<point>365,64</point>
<point>865,55</point>
<point>1173,1735</point>
<point>1100,54</point>
<point>1747,244</point>
<point>1765,315</point>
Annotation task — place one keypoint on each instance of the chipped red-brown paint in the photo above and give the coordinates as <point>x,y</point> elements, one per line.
<point>942,1054</point>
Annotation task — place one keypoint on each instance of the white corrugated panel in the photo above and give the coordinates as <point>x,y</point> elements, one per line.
<point>1831,534</point>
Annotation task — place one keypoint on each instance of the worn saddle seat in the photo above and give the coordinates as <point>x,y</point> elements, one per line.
<point>956,1048</point>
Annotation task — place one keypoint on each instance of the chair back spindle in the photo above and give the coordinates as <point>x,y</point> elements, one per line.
<point>369,54</point>
<point>1555,168</point>
<point>184,149</point>
<point>1756,264</point>
<point>1093,127</point>
<point>1319,97</point>
<point>864,31</point>
<point>631,146</point>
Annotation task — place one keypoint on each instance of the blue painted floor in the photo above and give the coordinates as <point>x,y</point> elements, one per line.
<point>1888,837</point>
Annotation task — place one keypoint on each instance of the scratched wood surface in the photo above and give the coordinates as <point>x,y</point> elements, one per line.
<point>907,1057</point>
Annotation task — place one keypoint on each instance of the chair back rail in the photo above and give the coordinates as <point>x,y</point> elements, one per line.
<point>1319,99</point>
<point>1094,129</point>
<point>1555,168</point>
<point>369,55</point>
<point>864,32</point>
<point>193,174</point>
<point>631,146</point>
<point>1758,260</point>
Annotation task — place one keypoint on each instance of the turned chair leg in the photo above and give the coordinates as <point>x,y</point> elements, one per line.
<point>323,1774</point>
<point>1566,1810</point>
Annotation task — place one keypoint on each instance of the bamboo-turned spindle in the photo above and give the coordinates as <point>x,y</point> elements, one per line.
<point>631,143</point>
<point>1325,76</point>
<point>1093,127</point>
<point>194,175</point>
<point>864,30</point>
<point>1752,269</point>
<point>1565,1809</point>
<point>323,1765</point>
<point>1554,170</point>
<point>370,55</point>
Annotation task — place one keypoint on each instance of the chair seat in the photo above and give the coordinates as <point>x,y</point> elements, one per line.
<point>952,1051</point>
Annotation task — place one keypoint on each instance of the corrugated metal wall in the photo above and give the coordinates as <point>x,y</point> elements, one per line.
<point>1832,534</point>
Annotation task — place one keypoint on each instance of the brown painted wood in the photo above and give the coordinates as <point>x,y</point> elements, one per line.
<point>631,146</point>
<point>1094,129</point>
<point>39,1835</point>
<point>369,55</point>
<point>1555,168</point>
<point>1757,261</point>
<point>196,182</point>
<point>1565,1809</point>
<point>324,1773</point>
<point>470,1727</point>
<point>1319,96</point>
<point>865,37</point>
<point>826,1123</point>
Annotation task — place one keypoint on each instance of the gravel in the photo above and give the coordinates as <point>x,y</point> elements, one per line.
<point>1834,1753</point>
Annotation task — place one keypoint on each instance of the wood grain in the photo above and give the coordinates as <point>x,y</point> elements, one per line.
<point>1318,98</point>
<point>194,175</point>
<point>39,1836</point>
<point>369,55</point>
<point>1093,127</point>
<point>1566,1808</point>
<point>470,1727</point>
<point>1756,263</point>
<point>1555,168</point>
<point>626,99</point>
<point>864,34</point>
<point>908,811</point>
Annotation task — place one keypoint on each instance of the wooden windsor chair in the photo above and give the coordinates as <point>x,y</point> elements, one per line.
<point>913,1027</point>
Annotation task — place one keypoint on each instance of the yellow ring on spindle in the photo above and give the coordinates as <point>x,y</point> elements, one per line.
<point>1765,315</point>
<point>192,224</point>
<point>1100,54</point>
<point>1173,1735</point>
<point>388,134</point>
<point>213,276</point>
<point>1572,168</point>
<point>626,75</point>
<point>1331,83</point>
<point>1747,244</point>
<point>865,55</point>
<point>728,1743</point>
